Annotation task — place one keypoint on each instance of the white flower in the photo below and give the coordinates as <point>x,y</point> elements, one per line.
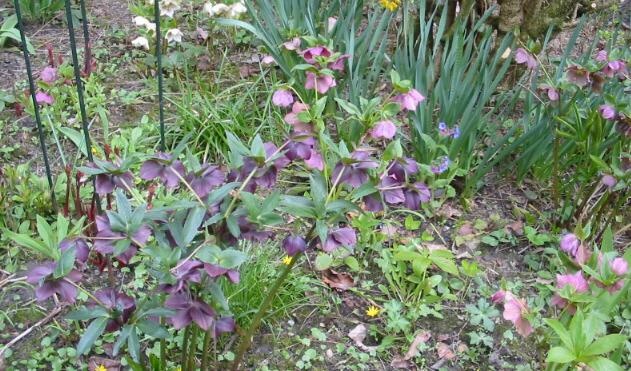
<point>151,27</point>
<point>140,21</point>
<point>169,7</point>
<point>140,42</point>
<point>236,10</point>
<point>174,35</point>
<point>332,21</point>
<point>216,9</point>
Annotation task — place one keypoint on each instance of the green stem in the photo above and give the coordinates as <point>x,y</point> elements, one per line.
<point>247,336</point>
<point>185,347</point>
<point>192,349</point>
<point>163,351</point>
<point>206,348</point>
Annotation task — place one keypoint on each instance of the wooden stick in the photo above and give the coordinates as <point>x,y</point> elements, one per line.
<point>52,314</point>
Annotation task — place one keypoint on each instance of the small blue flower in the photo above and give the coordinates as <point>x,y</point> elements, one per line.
<point>456,132</point>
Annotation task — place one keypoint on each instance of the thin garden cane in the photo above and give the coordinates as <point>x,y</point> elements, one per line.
<point>79,82</point>
<point>86,39</point>
<point>38,119</point>
<point>156,10</point>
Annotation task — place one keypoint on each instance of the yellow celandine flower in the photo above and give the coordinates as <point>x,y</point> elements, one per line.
<point>101,368</point>
<point>391,5</point>
<point>373,311</point>
<point>287,260</point>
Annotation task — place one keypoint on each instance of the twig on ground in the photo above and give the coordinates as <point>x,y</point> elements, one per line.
<point>44,320</point>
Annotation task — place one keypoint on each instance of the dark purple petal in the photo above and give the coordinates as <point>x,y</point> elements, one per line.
<point>178,301</point>
<point>46,290</point>
<point>233,276</point>
<point>391,196</point>
<point>81,248</point>
<point>373,203</point>
<point>142,234</point>
<point>124,181</point>
<point>202,314</point>
<point>39,272</point>
<point>67,291</point>
<point>214,270</point>
<point>315,161</point>
<point>294,245</point>
<point>225,324</point>
<point>151,169</point>
<point>338,64</point>
<point>104,184</point>
<point>181,319</point>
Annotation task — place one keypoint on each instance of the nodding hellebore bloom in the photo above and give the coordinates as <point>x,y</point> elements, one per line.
<point>48,74</point>
<point>294,245</point>
<point>215,271</point>
<point>576,283</point>
<point>82,251</point>
<point>43,98</point>
<point>282,98</point>
<point>515,310</point>
<point>385,129</point>
<point>607,112</point>
<point>108,241</point>
<point>205,179</point>
<point>391,190</point>
<point>573,247</point>
<point>340,237</point>
<point>163,166</point>
<point>321,82</point>
<point>354,170</point>
<point>522,56</point>
<point>120,306</point>
<point>48,285</point>
<point>190,309</point>
<point>109,176</point>
<point>552,93</point>
<point>415,195</point>
<point>265,169</point>
<point>189,271</point>
<point>311,55</point>
<point>410,100</point>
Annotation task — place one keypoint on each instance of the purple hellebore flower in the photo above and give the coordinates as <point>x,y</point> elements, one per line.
<point>619,266</point>
<point>215,271</point>
<point>225,324</point>
<point>578,75</point>
<point>282,98</point>
<point>292,117</point>
<point>315,161</point>
<point>189,309</point>
<point>403,168</point>
<point>391,190</point>
<point>298,150</point>
<point>106,239</point>
<point>106,182</point>
<point>614,67</point>
<point>570,243</point>
<point>340,237</point>
<point>205,179</point>
<point>552,93</point>
<point>82,251</point>
<point>338,64</point>
<point>409,101</point>
<point>48,74</point>
<point>188,271</point>
<point>310,54</point>
<point>43,98</point>
<point>251,232</point>
<point>42,275</point>
<point>602,56</point>
<point>120,305</point>
<point>293,44</point>
<point>607,112</point>
<point>268,60</point>
<point>576,281</point>
<point>383,129</point>
<point>416,194</point>
<point>164,167</point>
<point>524,57</point>
<point>354,171</point>
<point>294,245</point>
<point>373,203</point>
<point>608,180</point>
<point>321,82</point>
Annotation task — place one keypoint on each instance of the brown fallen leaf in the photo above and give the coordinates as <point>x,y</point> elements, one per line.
<point>420,338</point>
<point>341,281</point>
<point>466,229</point>
<point>399,362</point>
<point>449,212</point>
<point>358,334</point>
<point>97,363</point>
<point>444,351</point>
<point>517,227</point>
<point>247,71</point>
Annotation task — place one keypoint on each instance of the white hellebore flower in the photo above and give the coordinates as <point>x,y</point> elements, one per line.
<point>237,9</point>
<point>169,7</point>
<point>140,42</point>
<point>215,9</point>
<point>141,21</point>
<point>151,27</point>
<point>174,35</point>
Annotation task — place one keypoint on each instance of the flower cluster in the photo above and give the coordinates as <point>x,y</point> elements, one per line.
<point>48,76</point>
<point>234,11</point>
